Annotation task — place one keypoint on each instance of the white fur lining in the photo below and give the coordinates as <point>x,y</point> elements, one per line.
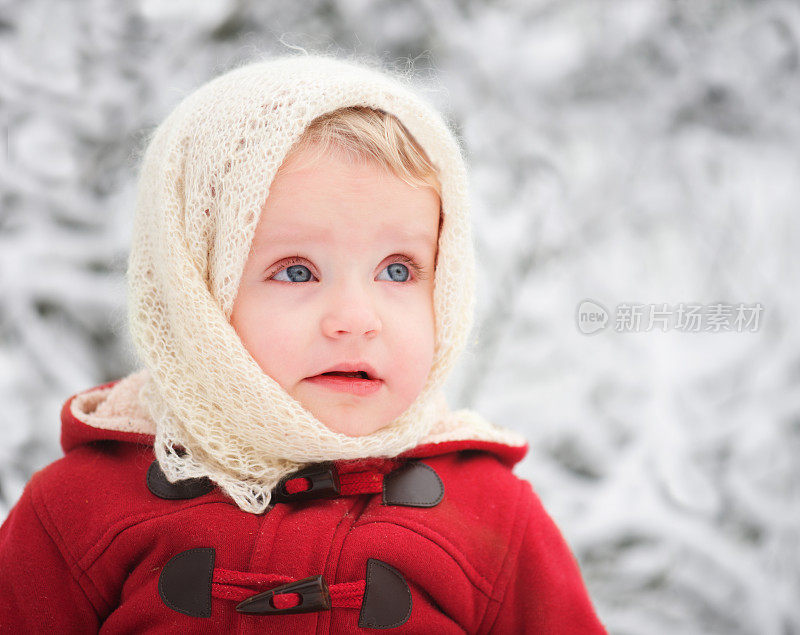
<point>115,408</point>
<point>119,408</point>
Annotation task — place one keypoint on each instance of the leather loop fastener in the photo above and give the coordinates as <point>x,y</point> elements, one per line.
<point>313,592</point>
<point>322,479</point>
<point>158,484</point>
<point>387,598</point>
<point>384,598</point>
<point>185,582</point>
<point>413,485</point>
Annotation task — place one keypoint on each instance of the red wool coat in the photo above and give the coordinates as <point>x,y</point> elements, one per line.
<point>443,539</point>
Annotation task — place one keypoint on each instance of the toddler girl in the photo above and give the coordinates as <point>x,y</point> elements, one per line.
<point>301,283</point>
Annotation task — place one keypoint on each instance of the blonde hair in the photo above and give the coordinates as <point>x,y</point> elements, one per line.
<point>361,132</point>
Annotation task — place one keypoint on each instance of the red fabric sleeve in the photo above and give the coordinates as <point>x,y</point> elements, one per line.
<point>38,593</point>
<point>545,593</point>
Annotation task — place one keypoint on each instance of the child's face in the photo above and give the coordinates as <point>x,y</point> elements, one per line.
<point>328,281</point>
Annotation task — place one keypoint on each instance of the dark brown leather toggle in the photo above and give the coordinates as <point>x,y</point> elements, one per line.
<point>413,485</point>
<point>323,479</point>
<point>313,592</point>
<point>185,582</point>
<point>387,598</point>
<point>158,484</point>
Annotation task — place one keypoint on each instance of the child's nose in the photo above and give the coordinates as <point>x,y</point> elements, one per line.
<point>352,311</point>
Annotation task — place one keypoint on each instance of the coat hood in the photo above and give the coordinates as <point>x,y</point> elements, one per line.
<point>114,412</point>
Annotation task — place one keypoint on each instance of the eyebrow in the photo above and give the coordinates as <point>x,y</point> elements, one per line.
<point>302,234</point>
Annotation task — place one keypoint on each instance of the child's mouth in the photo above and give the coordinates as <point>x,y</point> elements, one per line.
<point>357,382</point>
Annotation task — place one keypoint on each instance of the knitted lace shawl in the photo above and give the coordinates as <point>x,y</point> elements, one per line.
<point>204,177</point>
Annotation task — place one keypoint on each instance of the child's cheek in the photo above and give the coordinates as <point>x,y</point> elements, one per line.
<point>269,326</point>
<point>412,338</point>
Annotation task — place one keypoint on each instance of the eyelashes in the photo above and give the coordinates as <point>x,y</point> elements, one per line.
<point>418,271</point>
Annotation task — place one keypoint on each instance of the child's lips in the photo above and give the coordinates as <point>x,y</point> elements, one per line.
<point>340,383</point>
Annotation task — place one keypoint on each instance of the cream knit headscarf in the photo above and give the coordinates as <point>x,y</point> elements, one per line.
<point>204,178</point>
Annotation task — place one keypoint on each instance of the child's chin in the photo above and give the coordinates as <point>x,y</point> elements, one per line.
<point>353,429</point>
<point>349,425</point>
<point>345,414</point>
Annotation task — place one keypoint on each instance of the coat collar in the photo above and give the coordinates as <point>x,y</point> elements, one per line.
<point>111,411</point>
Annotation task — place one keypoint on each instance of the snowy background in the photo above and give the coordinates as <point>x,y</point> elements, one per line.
<point>626,152</point>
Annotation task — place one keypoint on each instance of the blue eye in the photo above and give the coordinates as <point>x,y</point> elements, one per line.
<point>397,273</point>
<point>394,272</point>
<point>295,273</point>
